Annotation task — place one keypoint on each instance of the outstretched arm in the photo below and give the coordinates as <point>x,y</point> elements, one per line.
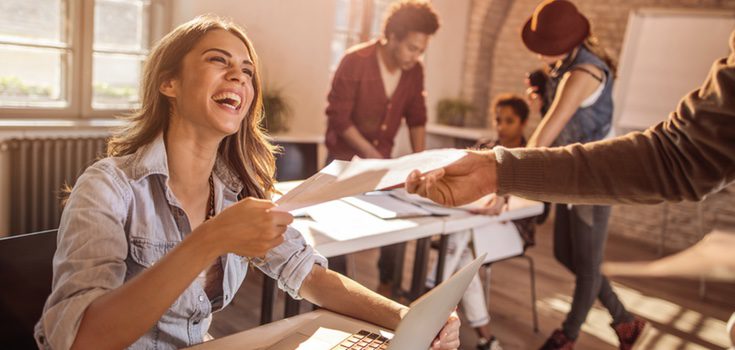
<point>686,157</point>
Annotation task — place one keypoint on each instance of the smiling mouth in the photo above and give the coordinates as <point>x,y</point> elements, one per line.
<point>228,99</point>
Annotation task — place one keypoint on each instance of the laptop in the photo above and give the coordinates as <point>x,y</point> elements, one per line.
<point>425,318</point>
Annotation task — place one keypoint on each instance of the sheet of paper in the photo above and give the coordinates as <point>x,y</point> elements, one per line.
<point>344,179</point>
<point>399,168</point>
<point>385,206</point>
<point>341,221</point>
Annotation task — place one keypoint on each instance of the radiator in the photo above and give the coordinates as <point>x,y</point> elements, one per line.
<point>39,168</point>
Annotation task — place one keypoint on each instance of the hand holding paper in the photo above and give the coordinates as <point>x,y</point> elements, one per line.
<point>343,179</point>
<point>457,183</point>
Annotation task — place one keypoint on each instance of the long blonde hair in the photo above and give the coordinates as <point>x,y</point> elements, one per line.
<point>248,152</point>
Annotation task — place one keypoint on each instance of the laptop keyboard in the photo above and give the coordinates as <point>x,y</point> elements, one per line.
<point>363,340</point>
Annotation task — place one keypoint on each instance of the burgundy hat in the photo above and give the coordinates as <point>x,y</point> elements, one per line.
<point>555,28</point>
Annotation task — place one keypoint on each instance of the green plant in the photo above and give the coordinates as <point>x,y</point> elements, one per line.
<point>12,86</point>
<point>277,111</point>
<point>124,93</point>
<point>453,111</point>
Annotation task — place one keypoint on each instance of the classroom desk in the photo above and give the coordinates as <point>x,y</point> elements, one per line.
<point>372,232</point>
<point>339,240</point>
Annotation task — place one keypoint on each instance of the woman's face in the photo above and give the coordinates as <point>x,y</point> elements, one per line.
<point>214,88</point>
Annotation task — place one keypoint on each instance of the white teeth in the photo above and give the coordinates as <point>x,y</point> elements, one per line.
<point>229,99</point>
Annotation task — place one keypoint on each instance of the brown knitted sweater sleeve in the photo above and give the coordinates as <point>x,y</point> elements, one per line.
<point>685,157</point>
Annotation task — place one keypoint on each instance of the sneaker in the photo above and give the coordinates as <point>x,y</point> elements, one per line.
<point>558,340</point>
<point>628,332</point>
<point>493,344</point>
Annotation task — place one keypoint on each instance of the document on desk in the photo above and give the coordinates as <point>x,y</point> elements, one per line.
<point>385,206</point>
<point>343,179</point>
<point>517,207</point>
<point>341,221</point>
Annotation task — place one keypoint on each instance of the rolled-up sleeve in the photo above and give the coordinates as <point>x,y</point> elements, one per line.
<point>90,255</point>
<point>291,262</point>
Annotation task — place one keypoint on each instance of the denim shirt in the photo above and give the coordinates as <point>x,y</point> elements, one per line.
<point>588,123</point>
<point>120,219</point>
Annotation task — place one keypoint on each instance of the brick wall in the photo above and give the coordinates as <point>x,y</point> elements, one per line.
<point>496,61</point>
<point>685,221</point>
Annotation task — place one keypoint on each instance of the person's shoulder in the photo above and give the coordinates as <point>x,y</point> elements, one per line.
<point>114,169</point>
<point>106,179</point>
<point>356,59</point>
<point>362,50</point>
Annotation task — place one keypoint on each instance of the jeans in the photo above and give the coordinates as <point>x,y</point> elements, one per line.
<point>580,232</point>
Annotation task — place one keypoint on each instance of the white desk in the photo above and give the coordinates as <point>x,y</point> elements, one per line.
<point>371,232</point>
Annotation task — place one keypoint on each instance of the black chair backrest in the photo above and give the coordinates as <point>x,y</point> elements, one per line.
<point>25,278</point>
<point>297,162</point>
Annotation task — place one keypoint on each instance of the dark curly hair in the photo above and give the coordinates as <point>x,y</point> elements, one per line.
<point>517,103</point>
<point>408,16</point>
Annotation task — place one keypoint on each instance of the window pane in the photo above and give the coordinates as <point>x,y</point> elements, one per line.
<point>115,80</point>
<point>121,25</point>
<point>32,20</point>
<point>378,13</point>
<point>342,15</point>
<point>31,77</point>
<point>339,45</point>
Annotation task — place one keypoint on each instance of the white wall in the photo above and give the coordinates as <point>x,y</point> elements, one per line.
<point>445,56</point>
<point>292,39</point>
<point>443,62</point>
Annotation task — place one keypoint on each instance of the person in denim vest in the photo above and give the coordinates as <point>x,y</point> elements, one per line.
<point>580,88</point>
<point>160,234</point>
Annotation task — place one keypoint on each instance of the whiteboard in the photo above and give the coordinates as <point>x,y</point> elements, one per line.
<point>666,54</point>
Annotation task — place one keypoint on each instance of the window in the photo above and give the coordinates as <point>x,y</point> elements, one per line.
<point>72,58</point>
<point>121,43</point>
<point>35,50</point>
<point>355,21</point>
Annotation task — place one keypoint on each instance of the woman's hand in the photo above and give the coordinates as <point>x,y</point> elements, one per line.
<point>248,228</point>
<point>448,337</point>
<point>495,206</point>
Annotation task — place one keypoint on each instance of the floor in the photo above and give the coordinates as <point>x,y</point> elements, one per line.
<point>678,317</point>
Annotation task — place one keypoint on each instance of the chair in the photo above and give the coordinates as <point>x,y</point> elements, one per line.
<point>297,162</point>
<point>501,242</point>
<point>25,274</point>
<point>531,272</point>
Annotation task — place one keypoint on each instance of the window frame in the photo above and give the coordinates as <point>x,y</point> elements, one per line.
<point>77,78</point>
<point>368,15</point>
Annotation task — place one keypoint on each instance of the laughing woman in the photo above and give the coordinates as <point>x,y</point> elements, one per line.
<point>159,235</point>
